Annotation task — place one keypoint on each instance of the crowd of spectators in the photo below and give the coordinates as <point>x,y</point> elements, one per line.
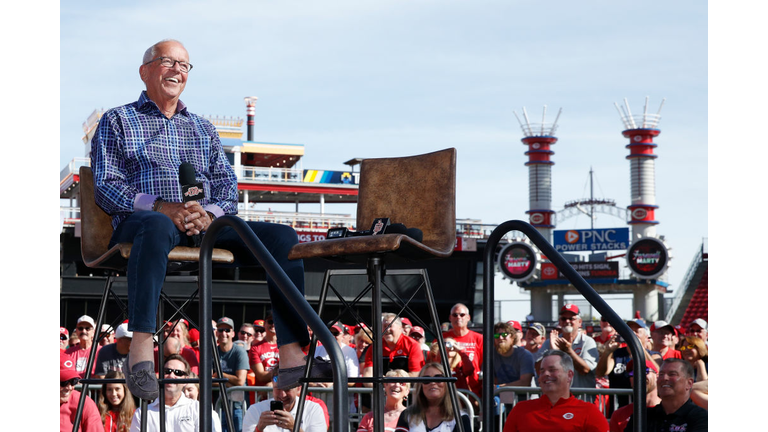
<point>249,356</point>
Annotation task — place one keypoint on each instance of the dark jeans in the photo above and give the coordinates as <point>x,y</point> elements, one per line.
<point>154,235</point>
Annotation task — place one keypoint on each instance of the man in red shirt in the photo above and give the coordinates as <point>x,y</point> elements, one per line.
<point>399,350</point>
<point>264,356</point>
<point>663,342</point>
<point>557,409</point>
<point>621,416</point>
<point>69,398</point>
<point>80,352</point>
<point>469,341</point>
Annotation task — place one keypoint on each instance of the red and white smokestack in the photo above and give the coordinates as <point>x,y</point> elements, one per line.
<point>250,113</point>
<point>641,129</point>
<point>539,137</point>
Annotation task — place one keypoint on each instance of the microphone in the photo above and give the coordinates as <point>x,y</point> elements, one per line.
<point>191,190</point>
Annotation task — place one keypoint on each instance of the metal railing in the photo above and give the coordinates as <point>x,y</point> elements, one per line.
<point>682,288</point>
<point>73,167</point>
<point>281,175</point>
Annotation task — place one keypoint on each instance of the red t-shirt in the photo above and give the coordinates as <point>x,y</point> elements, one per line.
<point>406,355</point>
<point>672,353</point>
<point>567,415</point>
<point>620,417</point>
<point>80,358</point>
<point>267,354</point>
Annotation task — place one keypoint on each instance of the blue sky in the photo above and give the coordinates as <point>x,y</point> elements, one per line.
<point>372,79</point>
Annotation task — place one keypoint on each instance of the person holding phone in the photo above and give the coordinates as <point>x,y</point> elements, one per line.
<point>278,413</point>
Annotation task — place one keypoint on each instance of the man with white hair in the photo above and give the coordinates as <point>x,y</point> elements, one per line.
<point>557,409</point>
<point>79,353</point>
<point>698,328</point>
<point>399,350</point>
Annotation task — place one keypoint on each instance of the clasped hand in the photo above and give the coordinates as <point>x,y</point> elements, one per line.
<point>188,217</point>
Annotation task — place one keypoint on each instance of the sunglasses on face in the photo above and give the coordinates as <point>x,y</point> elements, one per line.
<point>456,315</point>
<point>433,376</point>
<point>647,371</point>
<point>177,372</point>
<point>687,347</point>
<point>223,330</point>
<point>63,337</point>
<point>245,333</point>
<point>84,328</point>
<point>500,335</point>
<point>73,382</point>
<point>449,345</point>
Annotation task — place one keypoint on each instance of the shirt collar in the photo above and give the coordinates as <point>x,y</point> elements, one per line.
<point>145,103</point>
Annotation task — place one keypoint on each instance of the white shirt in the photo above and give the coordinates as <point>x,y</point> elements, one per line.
<point>313,418</point>
<point>353,370</point>
<point>184,416</point>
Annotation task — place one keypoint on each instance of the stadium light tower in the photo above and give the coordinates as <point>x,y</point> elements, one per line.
<point>641,129</point>
<point>539,137</point>
<point>250,112</point>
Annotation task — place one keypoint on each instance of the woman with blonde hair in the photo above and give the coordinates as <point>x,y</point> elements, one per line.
<point>396,393</point>
<point>116,405</point>
<point>694,351</point>
<point>432,409</point>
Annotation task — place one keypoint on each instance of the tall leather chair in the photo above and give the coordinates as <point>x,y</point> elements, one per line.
<point>96,231</point>
<point>418,192</point>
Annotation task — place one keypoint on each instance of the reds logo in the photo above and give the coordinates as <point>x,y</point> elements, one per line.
<point>537,218</point>
<point>193,191</point>
<point>68,364</point>
<point>639,213</point>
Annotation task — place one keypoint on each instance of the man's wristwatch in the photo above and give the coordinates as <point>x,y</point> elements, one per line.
<point>157,204</point>
<point>211,215</point>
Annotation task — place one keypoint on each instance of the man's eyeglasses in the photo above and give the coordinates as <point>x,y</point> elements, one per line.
<point>223,330</point>
<point>177,372</point>
<point>456,315</point>
<point>84,328</point>
<point>566,318</point>
<point>500,335</point>
<point>170,63</point>
<point>647,371</point>
<point>73,382</point>
<point>245,333</point>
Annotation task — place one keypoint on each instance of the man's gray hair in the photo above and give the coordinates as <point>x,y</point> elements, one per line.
<point>389,316</point>
<point>150,53</point>
<point>686,367</point>
<point>565,360</point>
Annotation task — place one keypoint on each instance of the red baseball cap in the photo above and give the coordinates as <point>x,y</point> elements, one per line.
<point>259,324</point>
<point>516,325</point>
<point>194,335</point>
<point>405,321</point>
<point>416,330</point>
<point>63,331</point>
<point>648,363</point>
<point>570,307</point>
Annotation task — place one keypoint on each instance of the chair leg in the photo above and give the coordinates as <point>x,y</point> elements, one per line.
<point>92,355</point>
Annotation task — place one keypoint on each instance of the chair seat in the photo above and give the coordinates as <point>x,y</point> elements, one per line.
<point>356,249</point>
<point>116,258</point>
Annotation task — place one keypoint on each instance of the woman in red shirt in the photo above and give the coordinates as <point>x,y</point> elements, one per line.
<point>116,405</point>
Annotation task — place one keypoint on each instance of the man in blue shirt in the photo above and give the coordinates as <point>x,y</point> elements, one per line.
<point>135,154</point>
<point>513,365</point>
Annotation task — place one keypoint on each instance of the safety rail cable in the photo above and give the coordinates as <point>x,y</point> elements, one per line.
<point>680,291</point>
<point>289,290</point>
<point>580,284</point>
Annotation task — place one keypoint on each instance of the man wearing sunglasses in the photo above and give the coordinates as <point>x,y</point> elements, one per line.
<point>234,367</point>
<point>85,331</point>
<point>136,154</point>
<point>621,416</point>
<point>470,342</point>
<point>68,401</point>
<point>264,355</point>
<point>582,349</point>
<point>512,364</point>
<point>181,413</point>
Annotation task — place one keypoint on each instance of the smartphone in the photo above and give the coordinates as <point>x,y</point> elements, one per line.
<point>276,405</point>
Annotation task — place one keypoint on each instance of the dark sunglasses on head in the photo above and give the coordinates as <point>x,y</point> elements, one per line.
<point>500,335</point>
<point>456,315</point>
<point>73,382</point>
<point>177,372</point>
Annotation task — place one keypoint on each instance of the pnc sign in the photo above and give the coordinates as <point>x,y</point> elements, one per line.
<point>587,240</point>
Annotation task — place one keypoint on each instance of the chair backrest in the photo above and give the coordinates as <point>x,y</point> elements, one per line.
<point>95,223</point>
<point>416,191</point>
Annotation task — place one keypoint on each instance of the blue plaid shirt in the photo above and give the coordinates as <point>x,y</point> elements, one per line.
<point>136,153</point>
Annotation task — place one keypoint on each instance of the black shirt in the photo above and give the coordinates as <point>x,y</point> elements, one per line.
<point>688,418</point>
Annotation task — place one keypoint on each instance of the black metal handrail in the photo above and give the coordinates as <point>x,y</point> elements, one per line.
<point>299,303</point>
<point>638,353</point>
